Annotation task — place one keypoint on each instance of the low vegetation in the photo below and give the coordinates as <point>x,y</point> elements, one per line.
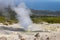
<point>49,19</point>
<point>6,22</point>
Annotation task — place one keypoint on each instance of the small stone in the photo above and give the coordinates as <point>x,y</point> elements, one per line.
<point>37,35</point>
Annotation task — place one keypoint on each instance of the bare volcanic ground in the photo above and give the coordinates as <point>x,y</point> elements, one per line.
<point>38,32</point>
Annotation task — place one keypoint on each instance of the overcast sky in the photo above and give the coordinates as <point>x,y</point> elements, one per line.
<point>35,4</point>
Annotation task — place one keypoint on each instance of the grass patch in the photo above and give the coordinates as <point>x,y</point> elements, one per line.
<point>49,19</point>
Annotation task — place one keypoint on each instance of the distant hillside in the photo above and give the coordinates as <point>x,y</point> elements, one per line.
<point>10,14</point>
<point>45,13</point>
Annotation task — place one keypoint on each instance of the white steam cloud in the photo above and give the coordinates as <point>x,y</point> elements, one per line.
<point>23,15</point>
<point>3,5</point>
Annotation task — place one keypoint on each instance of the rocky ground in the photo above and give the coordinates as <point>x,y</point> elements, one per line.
<point>16,32</point>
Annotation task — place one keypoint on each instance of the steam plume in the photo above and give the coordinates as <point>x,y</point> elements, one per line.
<point>23,15</point>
